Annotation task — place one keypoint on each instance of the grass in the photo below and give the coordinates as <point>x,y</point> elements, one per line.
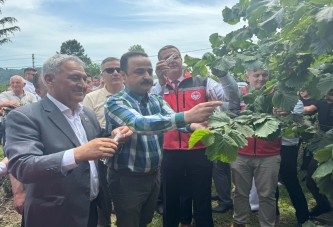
<point>287,217</point>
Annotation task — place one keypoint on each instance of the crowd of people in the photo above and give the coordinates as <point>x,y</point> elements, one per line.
<point>68,168</point>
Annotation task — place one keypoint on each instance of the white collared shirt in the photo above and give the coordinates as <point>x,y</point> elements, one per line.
<point>68,160</point>
<point>30,88</point>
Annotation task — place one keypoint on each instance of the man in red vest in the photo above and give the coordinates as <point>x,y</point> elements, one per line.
<point>259,160</point>
<point>182,92</point>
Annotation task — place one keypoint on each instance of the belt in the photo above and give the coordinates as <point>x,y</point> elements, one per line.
<point>138,175</point>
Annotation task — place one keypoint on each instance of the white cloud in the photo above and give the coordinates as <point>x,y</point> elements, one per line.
<point>151,24</point>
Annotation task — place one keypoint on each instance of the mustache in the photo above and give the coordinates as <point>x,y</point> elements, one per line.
<point>147,82</point>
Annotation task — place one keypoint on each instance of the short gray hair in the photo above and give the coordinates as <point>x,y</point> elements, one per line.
<point>52,65</point>
<point>107,60</point>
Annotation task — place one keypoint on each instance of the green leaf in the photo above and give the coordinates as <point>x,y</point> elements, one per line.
<point>243,119</point>
<point>266,128</point>
<point>323,170</point>
<point>326,2</point>
<point>209,57</point>
<point>325,84</point>
<point>246,112</point>
<point>216,40</point>
<point>288,132</point>
<point>259,121</point>
<point>202,71</point>
<point>297,81</point>
<point>285,3</point>
<point>218,120</point>
<point>249,98</point>
<point>246,58</point>
<point>224,64</point>
<point>208,140</point>
<point>308,224</point>
<point>200,63</point>
<point>229,16</point>
<point>274,21</point>
<point>196,136</point>
<point>254,65</point>
<point>224,149</point>
<point>324,155</point>
<point>284,101</point>
<point>325,14</point>
<point>190,61</point>
<point>263,104</point>
<point>321,47</point>
<point>246,130</point>
<point>238,138</point>
<point>325,186</point>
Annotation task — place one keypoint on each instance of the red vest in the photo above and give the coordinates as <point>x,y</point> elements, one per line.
<point>258,147</point>
<point>191,91</point>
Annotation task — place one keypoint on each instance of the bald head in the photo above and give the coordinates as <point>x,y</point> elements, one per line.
<point>16,77</point>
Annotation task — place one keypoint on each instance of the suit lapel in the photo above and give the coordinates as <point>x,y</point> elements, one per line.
<point>88,127</point>
<point>59,120</point>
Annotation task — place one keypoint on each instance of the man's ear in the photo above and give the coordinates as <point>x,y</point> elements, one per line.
<point>49,80</point>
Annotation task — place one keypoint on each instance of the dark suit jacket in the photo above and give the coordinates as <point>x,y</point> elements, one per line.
<point>38,134</point>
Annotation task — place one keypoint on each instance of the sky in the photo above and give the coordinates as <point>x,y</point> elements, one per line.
<point>107,28</point>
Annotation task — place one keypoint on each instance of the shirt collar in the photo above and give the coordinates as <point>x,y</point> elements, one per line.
<point>13,93</point>
<point>65,109</point>
<point>106,93</point>
<point>135,96</point>
<point>179,79</point>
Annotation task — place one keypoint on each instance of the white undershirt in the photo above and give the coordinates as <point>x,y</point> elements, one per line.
<point>68,160</point>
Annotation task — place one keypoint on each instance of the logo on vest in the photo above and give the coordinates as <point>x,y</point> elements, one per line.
<point>195,95</point>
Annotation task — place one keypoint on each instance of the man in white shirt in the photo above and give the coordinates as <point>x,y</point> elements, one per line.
<point>65,181</point>
<point>29,74</point>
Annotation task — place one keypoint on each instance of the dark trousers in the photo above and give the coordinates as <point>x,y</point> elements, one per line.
<point>222,180</point>
<point>321,199</point>
<point>288,174</point>
<point>198,170</point>
<point>93,215</point>
<point>186,203</point>
<point>134,197</point>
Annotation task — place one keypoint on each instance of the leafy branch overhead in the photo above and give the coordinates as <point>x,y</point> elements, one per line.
<point>293,40</point>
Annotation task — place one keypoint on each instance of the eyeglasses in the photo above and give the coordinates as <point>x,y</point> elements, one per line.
<point>111,70</point>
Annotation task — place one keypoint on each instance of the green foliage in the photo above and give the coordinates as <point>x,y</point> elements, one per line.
<point>136,48</point>
<point>73,47</point>
<point>227,134</point>
<point>93,69</point>
<point>6,30</point>
<point>293,40</point>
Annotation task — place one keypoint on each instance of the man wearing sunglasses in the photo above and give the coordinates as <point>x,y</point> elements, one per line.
<point>114,82</point>
<point>29,74</point>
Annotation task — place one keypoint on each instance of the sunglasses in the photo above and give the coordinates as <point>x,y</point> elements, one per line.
<point>111,70</point>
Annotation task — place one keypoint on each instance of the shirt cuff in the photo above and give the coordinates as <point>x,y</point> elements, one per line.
<point>3,169</point>
<point>68,161</point>
<point>179,120</point>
